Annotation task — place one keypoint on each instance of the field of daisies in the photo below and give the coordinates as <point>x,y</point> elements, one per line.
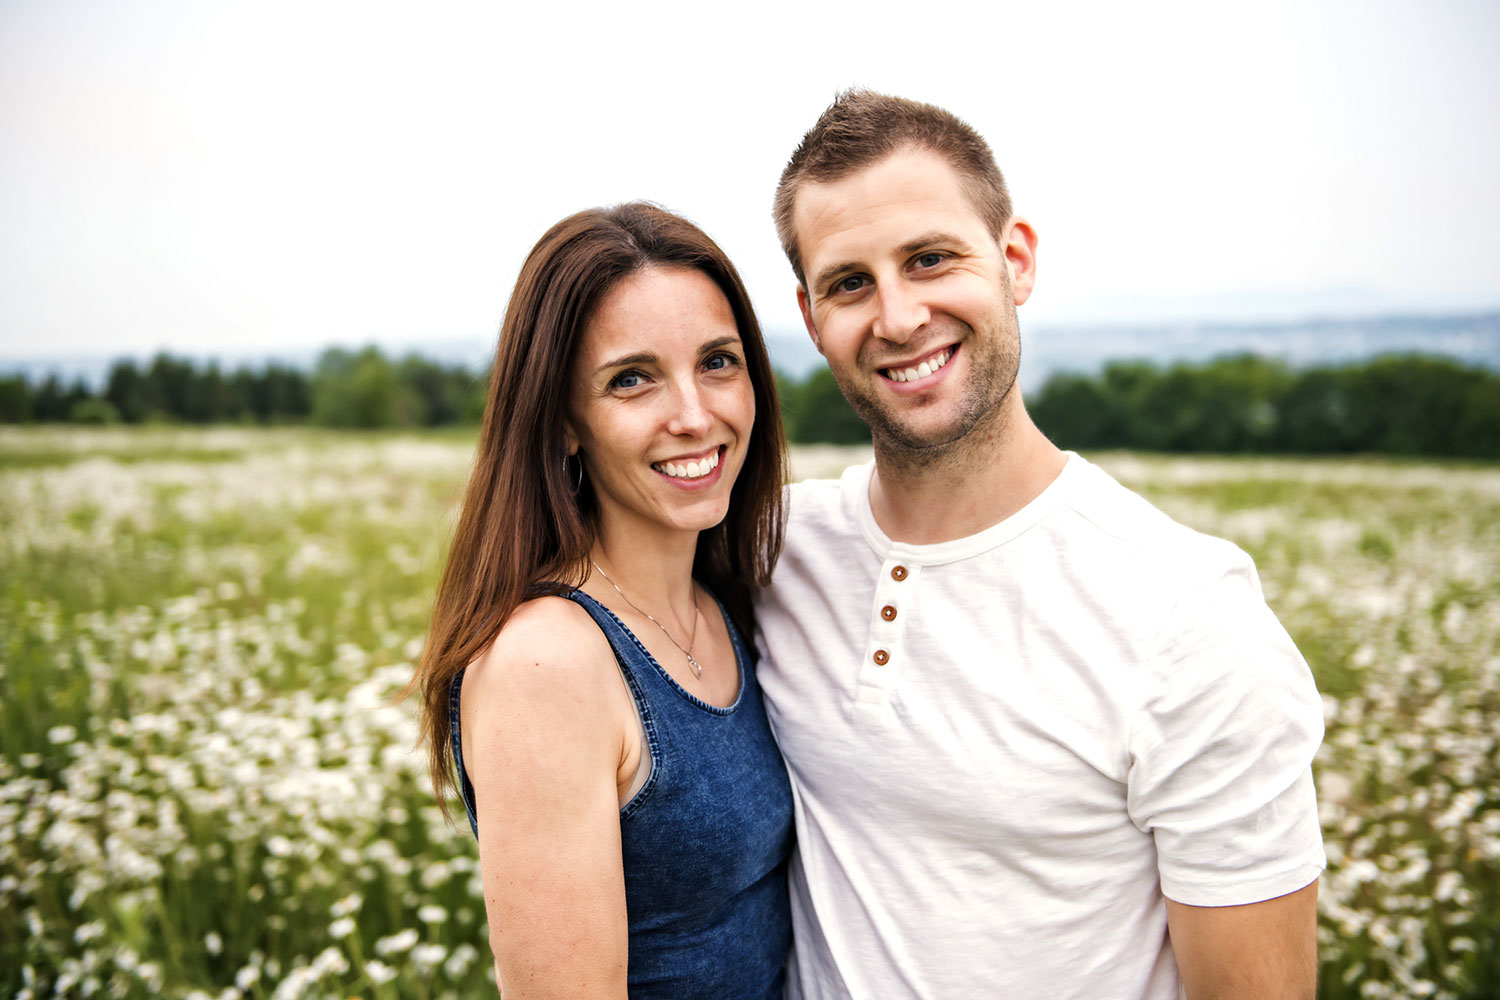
<point>207,789</point>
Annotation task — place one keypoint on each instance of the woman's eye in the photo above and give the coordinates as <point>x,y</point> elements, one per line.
<point>717,362</point>
<point>626,380</point>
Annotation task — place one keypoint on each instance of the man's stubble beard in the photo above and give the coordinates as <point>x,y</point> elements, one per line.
<point>981,408</point>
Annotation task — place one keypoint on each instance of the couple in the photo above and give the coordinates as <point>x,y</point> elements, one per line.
<point>1039,740</point>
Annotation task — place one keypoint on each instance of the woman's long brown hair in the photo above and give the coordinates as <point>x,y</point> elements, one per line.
<point>522,523</point>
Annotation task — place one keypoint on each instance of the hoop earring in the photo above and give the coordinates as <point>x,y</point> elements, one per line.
<point>577,480</point>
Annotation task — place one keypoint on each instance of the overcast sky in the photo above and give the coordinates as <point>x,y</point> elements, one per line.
<point>236,177</point>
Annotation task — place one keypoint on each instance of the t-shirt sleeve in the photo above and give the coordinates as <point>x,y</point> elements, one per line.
<point>1222,748</point>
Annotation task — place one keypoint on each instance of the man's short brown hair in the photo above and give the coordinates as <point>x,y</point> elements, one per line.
<point>861,127</point>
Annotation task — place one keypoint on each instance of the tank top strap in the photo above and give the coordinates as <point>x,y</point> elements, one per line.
<point>455,735</point>
<point>635,664</point>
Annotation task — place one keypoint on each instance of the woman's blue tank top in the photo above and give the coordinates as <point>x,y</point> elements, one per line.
<point>705,841</point>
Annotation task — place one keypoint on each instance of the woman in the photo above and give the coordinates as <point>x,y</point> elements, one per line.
<point>587,683</point>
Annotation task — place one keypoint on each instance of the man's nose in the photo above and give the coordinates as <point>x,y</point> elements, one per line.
<point>900,312</point>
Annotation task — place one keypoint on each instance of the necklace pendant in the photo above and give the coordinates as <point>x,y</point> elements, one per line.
<point>697,669</point>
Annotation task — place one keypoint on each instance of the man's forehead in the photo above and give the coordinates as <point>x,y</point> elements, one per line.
<point>891,200</point>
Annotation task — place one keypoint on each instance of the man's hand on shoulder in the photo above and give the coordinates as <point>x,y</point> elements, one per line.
<point>1259,950</point>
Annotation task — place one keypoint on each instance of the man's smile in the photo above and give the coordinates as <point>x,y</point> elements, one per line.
<point>922,367</point>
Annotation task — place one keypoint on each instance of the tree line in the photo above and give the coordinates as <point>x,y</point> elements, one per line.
<point>1396,404</point>
<point>1393,404</point>
<point>344,389</point>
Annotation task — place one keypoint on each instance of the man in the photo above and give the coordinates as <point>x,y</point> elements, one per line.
<point>1044,741</point>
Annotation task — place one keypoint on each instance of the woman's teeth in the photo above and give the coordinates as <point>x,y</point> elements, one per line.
<point>689,470</point>
<point>923,370</point>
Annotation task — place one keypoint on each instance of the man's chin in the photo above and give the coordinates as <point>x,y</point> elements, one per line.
<point>923,441</point>
<point>918,439</point>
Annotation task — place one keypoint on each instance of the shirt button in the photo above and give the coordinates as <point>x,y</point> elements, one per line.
<point>888,612</point>
<point>898,573</point>
<point>882,657</point>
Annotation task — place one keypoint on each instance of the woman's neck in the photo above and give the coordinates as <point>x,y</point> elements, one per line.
<point>654,569</point>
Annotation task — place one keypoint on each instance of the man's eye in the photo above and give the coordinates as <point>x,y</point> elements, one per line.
<point>853,283</point>
<point>929,260</point>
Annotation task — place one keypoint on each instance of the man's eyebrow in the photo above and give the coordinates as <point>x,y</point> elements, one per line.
<point>825,277</point>
<point>639,358</point>
<point>935,238</point>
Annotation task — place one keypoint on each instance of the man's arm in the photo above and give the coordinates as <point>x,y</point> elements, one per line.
<point>1266,949</point>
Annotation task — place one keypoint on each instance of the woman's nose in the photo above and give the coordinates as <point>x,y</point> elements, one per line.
<point>690,415</point>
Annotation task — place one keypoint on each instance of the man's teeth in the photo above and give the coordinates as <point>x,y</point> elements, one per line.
<point>689,470</point>
<point>923,370</point>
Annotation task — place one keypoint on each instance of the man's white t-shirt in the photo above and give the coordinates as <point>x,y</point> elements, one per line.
<point>1005,749</point>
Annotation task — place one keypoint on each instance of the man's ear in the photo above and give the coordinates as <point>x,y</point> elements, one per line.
<point>1018,243</point>
<point>806,307</point>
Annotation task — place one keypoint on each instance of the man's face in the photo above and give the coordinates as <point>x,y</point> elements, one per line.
<point>911,299</point>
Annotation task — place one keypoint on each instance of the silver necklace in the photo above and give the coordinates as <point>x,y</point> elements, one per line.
<point>697,669</point>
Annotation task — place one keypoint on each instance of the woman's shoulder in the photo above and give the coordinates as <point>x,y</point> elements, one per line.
<point>549,649</point>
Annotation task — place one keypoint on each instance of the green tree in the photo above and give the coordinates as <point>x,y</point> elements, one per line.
<point>824,415</point>
<point>93,410</point>
<point>127,391</point>
<point>1076,411</point>
<point>170,391</point>
<point>287,393</point>
<point>52,402</point>
<point>361,390</point>
<point>15,400</point>
<point>445,393</point>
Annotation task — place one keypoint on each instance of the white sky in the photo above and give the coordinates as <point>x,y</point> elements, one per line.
<point>240,176</point>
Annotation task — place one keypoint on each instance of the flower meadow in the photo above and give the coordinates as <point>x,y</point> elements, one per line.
<point>208,789</point>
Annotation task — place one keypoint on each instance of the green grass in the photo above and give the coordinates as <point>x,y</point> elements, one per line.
<point>203,779</point>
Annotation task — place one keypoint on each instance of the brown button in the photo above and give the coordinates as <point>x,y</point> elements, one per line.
<point>888,612</point>
<point>882,657</point>
<point>898,573</point>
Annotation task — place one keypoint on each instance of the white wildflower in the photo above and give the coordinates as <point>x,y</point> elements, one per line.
<point>397,943</point>
<point>460,961</point>
<point>379,972</point>
<point>85,933</point>
<point>426,957</point>
<point>349,904</point>
<point>247,977</point>
<point>330,961</point>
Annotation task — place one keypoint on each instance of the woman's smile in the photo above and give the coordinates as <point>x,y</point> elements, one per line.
<point>691,469</point>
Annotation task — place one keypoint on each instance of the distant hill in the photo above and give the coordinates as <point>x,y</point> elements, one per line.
<point>1473,338</point>
<point>1084,348</point>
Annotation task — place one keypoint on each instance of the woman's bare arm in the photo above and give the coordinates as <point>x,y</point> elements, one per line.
<point>545,722</point>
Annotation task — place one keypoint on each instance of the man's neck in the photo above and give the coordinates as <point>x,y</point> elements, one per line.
<point>994,472</point>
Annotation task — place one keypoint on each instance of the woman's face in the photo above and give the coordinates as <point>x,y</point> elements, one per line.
<point>660,402</point>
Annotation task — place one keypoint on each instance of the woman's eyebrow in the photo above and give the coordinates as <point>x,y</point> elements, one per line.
<point>639,358</point>
<point>714,345</point>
